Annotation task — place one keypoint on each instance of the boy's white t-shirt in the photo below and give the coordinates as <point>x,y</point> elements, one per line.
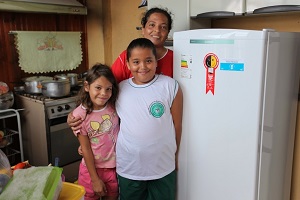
<point>146,143</point>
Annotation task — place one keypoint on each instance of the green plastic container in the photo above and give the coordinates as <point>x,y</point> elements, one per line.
<point>42,183</point>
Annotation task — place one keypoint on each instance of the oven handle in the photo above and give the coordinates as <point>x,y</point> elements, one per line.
<point>59,127</point>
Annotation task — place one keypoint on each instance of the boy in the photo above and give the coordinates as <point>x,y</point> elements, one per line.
<point>150,109</point>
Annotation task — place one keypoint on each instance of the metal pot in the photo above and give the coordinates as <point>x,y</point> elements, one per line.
<point>6,100</point>
<point>33,84</point>
<point>71,76</point>
<point>56,88</point>
<point>19,89</point>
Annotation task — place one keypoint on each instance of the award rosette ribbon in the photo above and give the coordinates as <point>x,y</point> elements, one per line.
<point>211,63</point>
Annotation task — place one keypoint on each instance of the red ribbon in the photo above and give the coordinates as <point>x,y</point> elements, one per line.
<point>211,63</point>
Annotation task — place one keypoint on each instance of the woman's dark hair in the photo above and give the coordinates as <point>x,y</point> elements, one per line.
<point>157,10</point>
<point>93,74</point>
<point>142,43</point>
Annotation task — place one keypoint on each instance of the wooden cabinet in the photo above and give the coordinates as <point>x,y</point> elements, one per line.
<point>180,10</point>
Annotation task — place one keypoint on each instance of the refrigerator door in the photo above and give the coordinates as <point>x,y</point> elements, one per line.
<point>222,75</point>
<point>279,116</point>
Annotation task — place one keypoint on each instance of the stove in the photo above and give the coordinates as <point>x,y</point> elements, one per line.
<point>55,107</point>
<point>47,138</point>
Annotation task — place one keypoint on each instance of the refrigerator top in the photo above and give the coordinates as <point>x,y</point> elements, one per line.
<point>221,33</point>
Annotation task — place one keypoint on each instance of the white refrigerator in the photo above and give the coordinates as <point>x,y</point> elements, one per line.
<point>240,92</point>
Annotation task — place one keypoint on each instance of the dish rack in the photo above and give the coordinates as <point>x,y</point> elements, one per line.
<point>11,151</point>
<point>7,139</point>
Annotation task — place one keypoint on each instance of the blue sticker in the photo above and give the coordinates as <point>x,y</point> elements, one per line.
<point>232,66</point>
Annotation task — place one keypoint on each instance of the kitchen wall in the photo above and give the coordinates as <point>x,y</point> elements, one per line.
<point>125,17</point>
<point>111,27</point>
<point>95,32</point>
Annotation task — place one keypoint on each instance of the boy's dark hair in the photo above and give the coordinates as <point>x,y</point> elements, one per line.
<point>157,10</point>
<point>142,43</point>
<point>94,73</point>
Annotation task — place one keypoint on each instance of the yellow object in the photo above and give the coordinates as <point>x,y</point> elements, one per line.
<point>95,125</point>
<point>71,191</point>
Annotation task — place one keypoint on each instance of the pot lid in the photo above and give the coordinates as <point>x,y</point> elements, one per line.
<point>65,75</point>
<point>72,75</point>
<point>37,78</point>
<point>60,76</point>
<point>56,81</point>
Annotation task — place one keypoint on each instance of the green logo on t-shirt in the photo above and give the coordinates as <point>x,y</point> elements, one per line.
<point>157,109</point>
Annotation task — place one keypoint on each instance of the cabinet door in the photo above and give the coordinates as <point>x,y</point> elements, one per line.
<point>204,6</point>
<point>180,11</point>
<point>251,5</point>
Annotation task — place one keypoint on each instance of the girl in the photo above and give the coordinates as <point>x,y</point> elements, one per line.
<point>98,133</point>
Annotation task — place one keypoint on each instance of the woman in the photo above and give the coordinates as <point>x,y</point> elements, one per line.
<point>156,25</point>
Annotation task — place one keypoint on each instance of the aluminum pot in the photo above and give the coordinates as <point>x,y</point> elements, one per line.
<point>6,100</point>
<point>56,88</point>
<point>19,89</point>
<point>33,84</point>
<point>71,76</point>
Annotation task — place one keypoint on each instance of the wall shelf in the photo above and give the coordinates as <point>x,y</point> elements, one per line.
<point>226,15</point>
<point>10,151</point>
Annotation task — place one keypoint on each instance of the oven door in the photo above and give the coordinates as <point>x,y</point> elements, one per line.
<point>63,143</point>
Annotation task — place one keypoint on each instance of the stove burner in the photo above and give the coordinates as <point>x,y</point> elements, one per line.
<point>43,98</point>
<point>37,96</point>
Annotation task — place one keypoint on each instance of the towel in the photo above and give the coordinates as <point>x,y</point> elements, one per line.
<point>43,51</point>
